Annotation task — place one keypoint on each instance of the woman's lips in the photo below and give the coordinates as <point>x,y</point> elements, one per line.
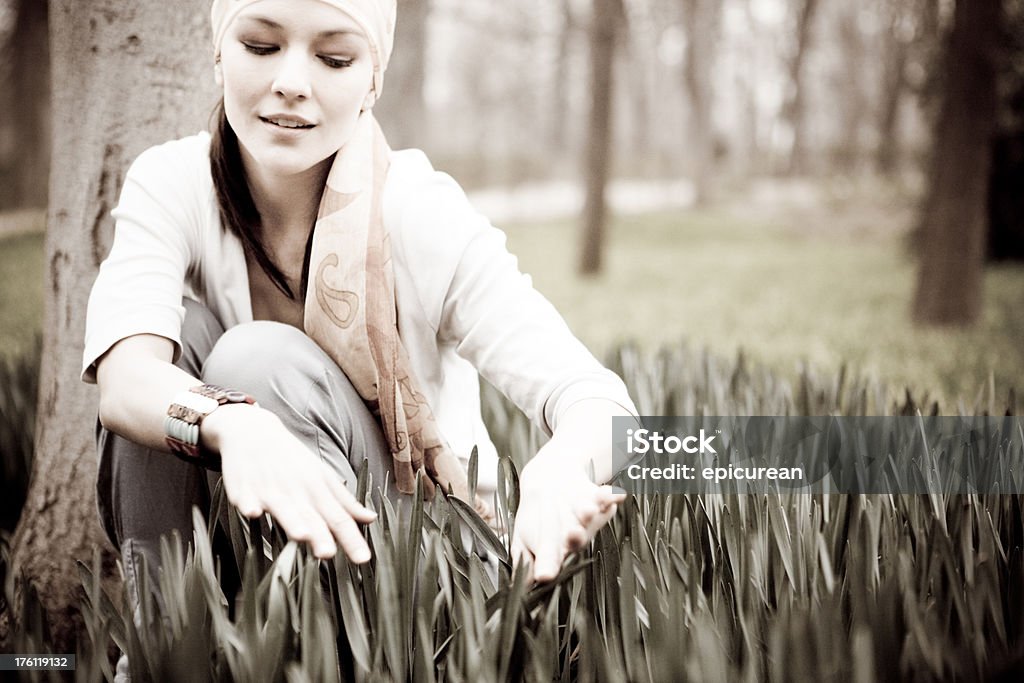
<point>286,122</point>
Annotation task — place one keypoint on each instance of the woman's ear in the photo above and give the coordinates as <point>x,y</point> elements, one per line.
<point>218,74</point>
<point>369,101</point>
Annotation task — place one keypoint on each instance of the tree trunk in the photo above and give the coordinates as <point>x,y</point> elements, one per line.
<point>952,226</point>
<point>701,38</point>
<point>635,96</point>
<point>850,90</point>
<point>607,13</point>
<point>27,156</point>
<point>402,111</point>
<point>558,127</point>
<point>1006,200</point>
<point>793,109</point>
<point>126,76</point>
<point>887,155</point>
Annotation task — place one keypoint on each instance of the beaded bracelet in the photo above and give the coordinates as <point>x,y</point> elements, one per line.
<point>185,415</point>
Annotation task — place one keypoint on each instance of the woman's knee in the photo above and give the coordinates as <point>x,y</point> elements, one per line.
<point>256,356</point>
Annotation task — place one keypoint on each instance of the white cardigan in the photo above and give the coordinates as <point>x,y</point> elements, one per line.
<point>462,302</point>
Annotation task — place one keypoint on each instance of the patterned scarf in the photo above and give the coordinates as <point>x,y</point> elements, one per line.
<point>350,308</point>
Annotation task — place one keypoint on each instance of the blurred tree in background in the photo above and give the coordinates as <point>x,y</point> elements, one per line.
<point>607,16</point>
<point>1006,206</point>
<point>953,218</point>
<point>25,126</point>
<point>702,19</point>
<point>793,111</point>
<point>402,111</point>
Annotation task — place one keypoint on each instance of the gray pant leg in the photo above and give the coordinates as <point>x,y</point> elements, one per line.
<point>143,494</point>
<point>291,376</point>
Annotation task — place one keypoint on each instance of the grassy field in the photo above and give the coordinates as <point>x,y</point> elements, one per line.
<point>819,281</point>
<point>818,285</point>
<point>21,291</point>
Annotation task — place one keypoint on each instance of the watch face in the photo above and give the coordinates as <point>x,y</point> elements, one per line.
<point>222,395</point>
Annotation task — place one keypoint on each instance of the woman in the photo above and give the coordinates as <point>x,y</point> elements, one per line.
<point>312,244</point>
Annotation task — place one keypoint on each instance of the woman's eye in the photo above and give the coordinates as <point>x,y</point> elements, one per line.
<point>257,49</point>
<point>335,62</point>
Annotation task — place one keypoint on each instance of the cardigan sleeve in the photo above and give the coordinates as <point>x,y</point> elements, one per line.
<point>140,284</point>
<point>492,314</point>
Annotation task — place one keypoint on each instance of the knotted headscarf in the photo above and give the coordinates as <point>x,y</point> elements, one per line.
<point>350,306</point>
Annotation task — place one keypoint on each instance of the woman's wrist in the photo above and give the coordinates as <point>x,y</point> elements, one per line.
<point>186,414</point>
<point>582,439</point>
<point>218,426</point>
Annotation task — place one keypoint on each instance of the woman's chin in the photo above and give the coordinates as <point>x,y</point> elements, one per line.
<point>284,165</point>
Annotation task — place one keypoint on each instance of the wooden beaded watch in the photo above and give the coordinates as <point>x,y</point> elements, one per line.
<point>185,415</point>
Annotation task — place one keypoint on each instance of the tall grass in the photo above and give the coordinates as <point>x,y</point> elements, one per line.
<point>697,587</point>
<point>19,384</point>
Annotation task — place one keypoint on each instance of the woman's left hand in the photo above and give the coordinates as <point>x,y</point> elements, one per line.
<point>560,511</point>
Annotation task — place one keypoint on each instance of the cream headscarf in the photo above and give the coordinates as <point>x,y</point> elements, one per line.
<point>375,17</point>
<point>350,301</point>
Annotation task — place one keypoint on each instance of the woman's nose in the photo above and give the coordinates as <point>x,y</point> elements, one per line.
<point>292,79</point>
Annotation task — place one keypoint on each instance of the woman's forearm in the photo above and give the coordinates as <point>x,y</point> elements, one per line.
<point>137,383</point>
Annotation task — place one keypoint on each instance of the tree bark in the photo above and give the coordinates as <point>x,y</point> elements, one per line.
<point>559,117</point>
<point>952,228</point>
<point>607,13</point>
<point>126,76</point>
<point>25,168</point>
<point>793,109</point>
<point>402,111</point>
<point>702,19</point>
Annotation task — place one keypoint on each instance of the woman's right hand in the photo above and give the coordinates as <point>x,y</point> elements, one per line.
<point>267,469</point>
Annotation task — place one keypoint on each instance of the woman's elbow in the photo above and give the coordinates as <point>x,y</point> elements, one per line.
<point>107,408</point>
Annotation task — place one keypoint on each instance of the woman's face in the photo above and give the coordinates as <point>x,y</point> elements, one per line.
<point>296,74</point>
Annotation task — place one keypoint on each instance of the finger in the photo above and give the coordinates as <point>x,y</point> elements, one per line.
<point>586,511</point>
<point>359,512</point>
<point>354,508</point>
<point>301,523</point>
<point>241,495</point>
<point>576,537</point>
<point>291,522</point>
<point>352,542</point>
<point>608,496</point>
<point>548,556</point>
<point>344,529</point>
<point>321,540</point>
<point>600,520</point>
<point>244,500</point>
<point>573,531</point>
<point>250,506</point>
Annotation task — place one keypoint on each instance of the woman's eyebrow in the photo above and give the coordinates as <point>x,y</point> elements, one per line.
<point>269,23</point>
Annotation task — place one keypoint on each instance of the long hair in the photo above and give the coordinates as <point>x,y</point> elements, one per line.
<point>238,213</point>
